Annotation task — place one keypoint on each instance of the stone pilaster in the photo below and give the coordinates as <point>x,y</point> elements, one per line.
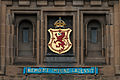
<point>117,37</point>
<point>3,35</point>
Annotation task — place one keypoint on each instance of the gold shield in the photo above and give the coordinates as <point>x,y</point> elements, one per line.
<point>59,40</point>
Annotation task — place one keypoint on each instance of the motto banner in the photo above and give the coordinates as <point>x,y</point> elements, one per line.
<point>90,70</point>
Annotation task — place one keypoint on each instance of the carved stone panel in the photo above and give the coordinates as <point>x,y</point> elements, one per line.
<point>52,19</point>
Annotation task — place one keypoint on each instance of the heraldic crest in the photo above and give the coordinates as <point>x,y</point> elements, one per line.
<point>59,38</point>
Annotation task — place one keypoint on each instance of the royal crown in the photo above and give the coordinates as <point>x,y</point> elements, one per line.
<point>60,23</point>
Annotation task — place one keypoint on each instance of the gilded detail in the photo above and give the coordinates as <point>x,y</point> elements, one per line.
<point>59,41</point>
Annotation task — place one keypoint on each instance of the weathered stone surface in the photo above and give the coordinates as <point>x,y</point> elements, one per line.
<point>59,2</point>
<point>11,70</point>
<point>95,3</point>
<point>78,3</point>
<point>24,2</point>
<point>117,39</point>
<point>112,2</point>
<point>9,2</point>
<point>42,2</point>
<point>108,71</point>
<point>81,12</point>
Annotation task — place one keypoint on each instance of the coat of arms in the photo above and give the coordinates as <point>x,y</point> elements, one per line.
<point>59,38</point>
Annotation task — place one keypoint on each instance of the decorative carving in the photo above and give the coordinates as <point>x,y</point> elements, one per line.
<point>59,41</point>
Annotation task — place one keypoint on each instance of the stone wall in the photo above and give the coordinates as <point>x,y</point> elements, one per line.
<point>110,8</point>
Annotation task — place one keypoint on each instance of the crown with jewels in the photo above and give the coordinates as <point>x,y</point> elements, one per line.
<point>60,23</point>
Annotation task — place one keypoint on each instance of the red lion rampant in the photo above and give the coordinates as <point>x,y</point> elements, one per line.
<point>59,39</point>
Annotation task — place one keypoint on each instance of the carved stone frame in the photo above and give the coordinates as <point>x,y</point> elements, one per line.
<point>44,30</point>
<point>82,32</point>
<point>37,59</point>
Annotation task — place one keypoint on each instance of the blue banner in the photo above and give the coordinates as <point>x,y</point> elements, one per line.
<point>30,70</point>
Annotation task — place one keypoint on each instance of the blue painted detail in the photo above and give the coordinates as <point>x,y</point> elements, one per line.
<point>30,70</point>
<point>96,70</point>
<point>24,70</point>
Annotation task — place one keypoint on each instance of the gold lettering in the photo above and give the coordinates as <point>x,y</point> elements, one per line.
<point>72,70</point>
<point>75,70</point>
<point>47,70</point>
<point>35,70</point>
<point>55,70</point>
<point>43,69</point>
<point>92,70</point>
<point>58,70</point>
<point>84,70</point>
<point>87,70</point>
<point>29,70</point>
<point>39,70</point>
<point>81,71</point>
<point>65,70</point>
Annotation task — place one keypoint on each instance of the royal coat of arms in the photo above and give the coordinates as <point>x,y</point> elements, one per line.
<point>59,38</point>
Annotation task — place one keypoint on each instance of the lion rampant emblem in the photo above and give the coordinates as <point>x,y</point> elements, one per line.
<point>59,41</point>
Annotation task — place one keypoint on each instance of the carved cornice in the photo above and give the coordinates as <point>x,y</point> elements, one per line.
<point>61,2</point>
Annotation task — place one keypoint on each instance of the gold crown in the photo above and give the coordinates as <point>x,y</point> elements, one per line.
<point>59,23</point>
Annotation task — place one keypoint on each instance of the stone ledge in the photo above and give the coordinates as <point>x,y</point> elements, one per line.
<point>94,60</point>
<point>59,2</point>
<point>78,3</point>
<point>111,3</point>
<point>60,59</point>
<point>42,2</point>
<point>24,2</point>
<point>96,3</point>
<point>10,2</point>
